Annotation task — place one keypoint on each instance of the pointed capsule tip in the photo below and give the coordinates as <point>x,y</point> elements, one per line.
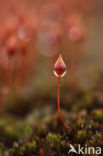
<point>60,57</point>
<point>60,67</point>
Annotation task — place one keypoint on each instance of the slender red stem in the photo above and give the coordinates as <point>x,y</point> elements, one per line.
<point>58,101</point>
<point>8,85</point>
<point>9,74</point>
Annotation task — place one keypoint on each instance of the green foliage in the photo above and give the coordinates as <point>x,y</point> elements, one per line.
<point>98,115</point>
<point>53,141</point>
<point>81,135</point>
<point>29,135</point>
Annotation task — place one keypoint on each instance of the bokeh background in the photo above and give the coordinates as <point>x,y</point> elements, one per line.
<point>32,35</point>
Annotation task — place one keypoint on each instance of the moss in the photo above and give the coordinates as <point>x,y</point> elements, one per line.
<point>81,135</point>
<point>2,147</point>
<point>37,139</point>
<point>22,150</point>
<point>53,141</point>
<point>31,133</point>
<point>3,124</point>
<point>13,152</point>
<point>97,136</point>
<point>11,132</point>
<point>25,150</point>
<point>93,126</point>
<point>29,148</point>
<point>3,151</point>
<point>24,131</point>
<point>28,131</point>
<point>43,130</point>
<point>98,115</point>
<point>64,146</point>
<point>80,124</point>
<point>98,139</point>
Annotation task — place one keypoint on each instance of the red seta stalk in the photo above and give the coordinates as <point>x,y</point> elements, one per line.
<point>59,71</point>
<point>6,89</point>
<point>58,101</point>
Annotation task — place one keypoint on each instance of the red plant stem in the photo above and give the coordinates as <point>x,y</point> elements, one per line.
<point>58,101</point>
<point>22,72</point>
<point>9,74</point>
<point>3,102</point>
<point>20,75</point>
<point>8,85</point>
